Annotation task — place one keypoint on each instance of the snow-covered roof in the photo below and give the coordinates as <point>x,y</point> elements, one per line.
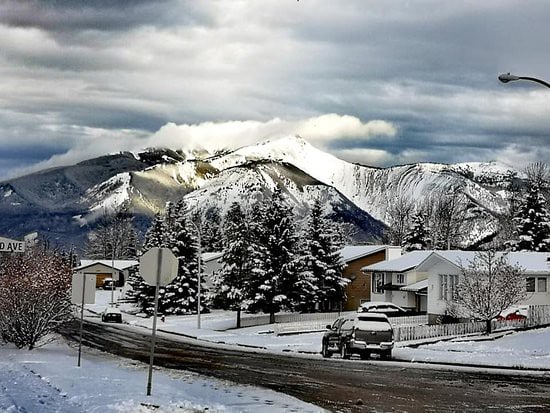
<point>353,252</point>
<point>530,261</point>
<point>417,286</point>
<point>209,256</point>
<point>401,264</point>
<point>117,264</point>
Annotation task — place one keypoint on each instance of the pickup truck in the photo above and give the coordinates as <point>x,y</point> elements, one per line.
<point>361,333</point>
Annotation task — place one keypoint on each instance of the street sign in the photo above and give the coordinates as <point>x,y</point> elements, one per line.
<point>158,261</point>
<point>78,288</point>
<point>10,245</point>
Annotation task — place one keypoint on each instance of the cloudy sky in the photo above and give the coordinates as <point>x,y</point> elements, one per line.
<point>375,82</point>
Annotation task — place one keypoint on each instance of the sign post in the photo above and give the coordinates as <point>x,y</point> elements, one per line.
<point>86,284</point>
<point>158,266</point>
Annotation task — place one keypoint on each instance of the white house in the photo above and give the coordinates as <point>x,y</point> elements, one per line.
<point>398,281</point>
<point>119,270</point>
<point>211,266</point>
<point>443,268</point>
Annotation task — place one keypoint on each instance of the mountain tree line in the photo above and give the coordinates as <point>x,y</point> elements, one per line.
<point>441,220</point>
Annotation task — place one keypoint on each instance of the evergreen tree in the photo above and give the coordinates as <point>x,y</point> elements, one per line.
<point>211,237</point>
<point>533,222</point>
<point>179,297</point>
<point>276,282</point>
<point>232,282</point>
<point>320,278</point>
<point>142,293</point>
<point>416,237</point>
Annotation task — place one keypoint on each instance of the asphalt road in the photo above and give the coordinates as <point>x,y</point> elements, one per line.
<point>334,384</point>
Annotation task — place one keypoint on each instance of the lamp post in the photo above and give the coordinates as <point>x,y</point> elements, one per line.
<point>507,77</point>
<point>198,274</point>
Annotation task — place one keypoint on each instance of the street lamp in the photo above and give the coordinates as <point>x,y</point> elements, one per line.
<point>507,77</point>
<point>198,275</point>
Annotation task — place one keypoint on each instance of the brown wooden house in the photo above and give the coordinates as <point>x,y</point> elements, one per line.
<point>356,257</point>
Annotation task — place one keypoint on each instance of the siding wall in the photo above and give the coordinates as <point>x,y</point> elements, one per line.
<point>359,288</point>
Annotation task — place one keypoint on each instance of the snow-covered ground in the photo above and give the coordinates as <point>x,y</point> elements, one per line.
<point>525,350</point>
<point>47,380</point>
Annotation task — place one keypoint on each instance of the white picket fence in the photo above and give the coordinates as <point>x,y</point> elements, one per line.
<point>305,324</point>
<point>315,318</point>
<point>538,315</point>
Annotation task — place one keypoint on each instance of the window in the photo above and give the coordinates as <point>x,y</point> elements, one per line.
<point>447,286</point>
<point>530,284</point>
<point>541,284</point>
<point>378,283</point>
<point>400,278</point>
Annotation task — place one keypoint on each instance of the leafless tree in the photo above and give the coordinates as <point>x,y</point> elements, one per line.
<point>34,296</point>
<point>486,286</point>
<point>114,237</point>
<point>448,217</point>
<point>398,217</point>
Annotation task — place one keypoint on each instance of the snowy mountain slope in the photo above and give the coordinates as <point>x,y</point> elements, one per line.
<point>66,201</point>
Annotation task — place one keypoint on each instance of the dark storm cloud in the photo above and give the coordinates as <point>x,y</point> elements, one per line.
<point>101,15</point>
<point>76,72</point>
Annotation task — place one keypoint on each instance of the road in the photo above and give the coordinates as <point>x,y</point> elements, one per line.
<point>334,384</point>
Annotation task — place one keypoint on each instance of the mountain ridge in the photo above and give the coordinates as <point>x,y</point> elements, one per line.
<point>78,194</point>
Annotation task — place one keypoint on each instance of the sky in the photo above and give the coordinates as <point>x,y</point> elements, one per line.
<point>374,82</point>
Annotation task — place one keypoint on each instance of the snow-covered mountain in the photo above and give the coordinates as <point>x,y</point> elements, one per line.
<point>64,202</point>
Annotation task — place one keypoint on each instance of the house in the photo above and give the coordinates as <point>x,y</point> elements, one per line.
<point>119,270</point>
<point>356,257</point>
<point>443,268</point>
<point>399,281</point>
<point>211,265</point>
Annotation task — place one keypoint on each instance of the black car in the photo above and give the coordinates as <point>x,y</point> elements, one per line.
<point>362,333</point>
<point>111,315</point>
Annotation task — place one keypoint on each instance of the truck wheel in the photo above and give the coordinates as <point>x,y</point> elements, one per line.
<point>325,352</point>
<point>385,355</point>
<point>365,355</point>
<point>344,351</point>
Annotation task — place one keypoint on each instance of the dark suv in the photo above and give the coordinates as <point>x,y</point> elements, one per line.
<point>362,333</point>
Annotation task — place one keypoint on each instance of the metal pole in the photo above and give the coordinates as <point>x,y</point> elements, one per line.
<point>154,333</point>
<point>81,320</point>
<point>113,276</point>
<point>199,284</point>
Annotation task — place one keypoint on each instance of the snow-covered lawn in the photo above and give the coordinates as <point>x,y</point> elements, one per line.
<point>48,380</point>
<point>526,350</point>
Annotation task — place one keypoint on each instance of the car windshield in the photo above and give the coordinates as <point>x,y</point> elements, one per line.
<point>372,318</point>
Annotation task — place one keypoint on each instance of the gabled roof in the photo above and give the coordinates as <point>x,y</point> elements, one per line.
<point>354,252</point>
<point>531,262</point>
<point>403,263</point>
<point>119,265</point>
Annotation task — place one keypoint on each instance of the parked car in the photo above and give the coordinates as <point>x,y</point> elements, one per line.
<point>111,315</point>
<point>513,313</point>
<point>108,284</point>
<point>390,309</point>
<point>361,333</point>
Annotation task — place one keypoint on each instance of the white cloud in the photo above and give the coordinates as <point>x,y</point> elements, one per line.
<point>318,130</point>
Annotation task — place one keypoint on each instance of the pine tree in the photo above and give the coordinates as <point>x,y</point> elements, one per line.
<point>276,280</point>
<point>533,222</point>
<point>180,296</point>
<point>320,278</point>
<point>416,237</point>
<point>211,237</point>
<point>232,282</point>
<point>142,293</point>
